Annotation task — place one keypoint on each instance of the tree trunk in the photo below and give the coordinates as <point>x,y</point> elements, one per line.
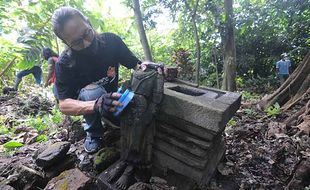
<point>143,38</point>
<point>193,12</point>
<point>293,89</point>
<point>229,73</point>
<point>9,64</point>
<point>198,49</point>
<point>214,60</point>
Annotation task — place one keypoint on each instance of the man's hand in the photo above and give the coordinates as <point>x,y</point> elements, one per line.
<point>107,103</point>
<point>147,64</point>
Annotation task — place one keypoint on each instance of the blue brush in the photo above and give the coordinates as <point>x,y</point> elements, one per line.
<point>124,100</point>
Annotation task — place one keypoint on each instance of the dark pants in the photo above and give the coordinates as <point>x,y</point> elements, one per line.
<point>93,125</point>
<point>36,71</point>
<point>283,77</point>
<point>55,92</point>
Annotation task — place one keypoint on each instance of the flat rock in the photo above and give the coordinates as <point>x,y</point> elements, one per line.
<point>4,184</point>
<point>52,154</point>
<point>26,178</point>
<point>158,183</point>
<point>67,163</point>
<point>69,179</point>
<point>140,186</point>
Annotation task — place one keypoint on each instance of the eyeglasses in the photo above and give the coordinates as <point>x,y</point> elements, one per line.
<point>78,44</point>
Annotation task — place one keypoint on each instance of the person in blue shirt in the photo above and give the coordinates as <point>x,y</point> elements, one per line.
<point>283,68</point>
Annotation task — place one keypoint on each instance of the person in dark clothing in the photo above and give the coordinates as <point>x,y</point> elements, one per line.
<point>36,71</point>
<point>284,68</point>
<point>87,71</point>
<point>52,59</point>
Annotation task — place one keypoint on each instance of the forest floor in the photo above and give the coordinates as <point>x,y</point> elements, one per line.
<point>261,152</point>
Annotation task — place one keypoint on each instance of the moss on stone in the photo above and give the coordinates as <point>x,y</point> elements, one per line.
<point>64,185</point>
<point>105,157</point>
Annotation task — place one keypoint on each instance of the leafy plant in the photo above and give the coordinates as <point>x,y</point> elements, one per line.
<point>232,122</point>
<point>42,138</point>
<point>4,130</point>
<point>246,95</point>
<point>12,145</point>
<point>37,123</point>
<point>56,116</point>
<point>249,111</point>
<point>273,110</point>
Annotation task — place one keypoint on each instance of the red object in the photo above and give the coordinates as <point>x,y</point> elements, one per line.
<point>53,78</point>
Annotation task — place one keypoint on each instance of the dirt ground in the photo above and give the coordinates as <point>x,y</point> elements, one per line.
<point>262,152</point>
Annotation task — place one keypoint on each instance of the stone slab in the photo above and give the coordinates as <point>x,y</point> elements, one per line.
<point>163,161</point>
<point>189,147</point>
<point>186,126</point>
<point>181,155</point>
<point>205,108</point>
<point>183,136</point>
<point>69,179</point>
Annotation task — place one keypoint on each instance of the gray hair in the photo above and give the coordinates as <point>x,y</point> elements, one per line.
<point>62,15</point>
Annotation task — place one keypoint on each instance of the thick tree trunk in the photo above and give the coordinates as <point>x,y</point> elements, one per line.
<point>229,73</point>
<point>143,38</point>
<point>293,89</point>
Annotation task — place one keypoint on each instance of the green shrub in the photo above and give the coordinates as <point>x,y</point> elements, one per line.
<point>273,110</point>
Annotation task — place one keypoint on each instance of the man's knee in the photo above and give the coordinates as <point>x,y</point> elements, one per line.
<point>21,74</point>
<point>91,92</point>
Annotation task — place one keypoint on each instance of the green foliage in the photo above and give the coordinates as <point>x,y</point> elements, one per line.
<point>264,30</point>
<point>246,95</point>
<point>42,138</point>
<point>4,130</point>
<point>38,123</point>
<point>232,122</point>
<point>273,110</point>
<point>56,116</point>
<point>12,145</point>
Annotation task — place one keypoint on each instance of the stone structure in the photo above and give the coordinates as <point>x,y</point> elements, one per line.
<point>189,130</point>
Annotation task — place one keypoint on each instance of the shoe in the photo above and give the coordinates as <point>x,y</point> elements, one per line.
<point>92,144</point>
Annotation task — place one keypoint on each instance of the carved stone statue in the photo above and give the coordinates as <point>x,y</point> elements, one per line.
<point>137,128</point>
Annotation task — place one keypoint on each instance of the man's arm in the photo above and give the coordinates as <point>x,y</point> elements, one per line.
<point>103,105</point>
<point>76,107</point>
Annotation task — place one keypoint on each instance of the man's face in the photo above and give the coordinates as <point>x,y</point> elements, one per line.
<point>77,33</point>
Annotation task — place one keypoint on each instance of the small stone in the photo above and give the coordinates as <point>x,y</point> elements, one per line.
<point>4,184</point>
<point>158,183</point>
<point>26,178</point>
<point>140,186</point>
<point>70,179</point>
<point>53,154</point>
<point>4,139</point>
<point>85,162</point>
<point>105,157</point>
<point>66,163</point>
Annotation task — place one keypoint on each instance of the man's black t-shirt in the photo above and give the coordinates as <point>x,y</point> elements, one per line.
<point>74,70</point>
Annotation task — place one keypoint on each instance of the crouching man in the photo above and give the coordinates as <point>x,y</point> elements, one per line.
<point>87,71</point>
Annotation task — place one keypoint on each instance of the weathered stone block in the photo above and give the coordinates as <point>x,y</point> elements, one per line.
<point>189,130</point>
<point>205,107</point>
